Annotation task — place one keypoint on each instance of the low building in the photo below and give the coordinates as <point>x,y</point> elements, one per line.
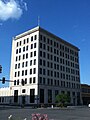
<point>5,95</point>
<point>85,94</point>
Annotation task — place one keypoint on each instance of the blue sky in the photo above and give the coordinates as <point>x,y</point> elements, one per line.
<point>68,19</point>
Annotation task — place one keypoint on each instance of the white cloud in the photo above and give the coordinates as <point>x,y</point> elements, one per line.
<point>11,9</point>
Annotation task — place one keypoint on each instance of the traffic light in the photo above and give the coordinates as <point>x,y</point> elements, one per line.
<point>3,80</point>
<point>23,82</point>
<point>0,69</point>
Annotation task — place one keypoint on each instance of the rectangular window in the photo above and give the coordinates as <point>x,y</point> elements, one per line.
<point>30,80</point>
<point>34,53</point>
<point>20,43</point>
<point>35,37</point>
<point>25,72</point>
<point>30,62</point>
<point>34,79</point>
<point>44,62</point>
<point>40,70</point>
<point>40,53</point>
<point>23,56</point>
<point>23,49</point>
<point>15,66</point>
<point>31,46</point>
<point>30,71</point>
<point>27,40</point>
<point>26,55</point>
<point>23,64</point>
<point>34,45</point>
<point>31,54</point>
<point>17,44</point>
<point>15,74</point>
<point>24,41</point>
<point>40,79</point>
<point>26,48</point>
<point>40,45</point>
<point>26,63</point>
<point>32,38</point>
<point>16,51</point>
<point>16,58</point>
<point>22,72</point>
<point>23,91</point>
<point>34,71</point>
<point>19,57</point>
<point>19,50</point>
<point>34,62</point>
<point>25,80</point>
<point>18,73</point>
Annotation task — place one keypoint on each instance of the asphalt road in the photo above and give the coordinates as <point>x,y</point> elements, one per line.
<point>74,113</point>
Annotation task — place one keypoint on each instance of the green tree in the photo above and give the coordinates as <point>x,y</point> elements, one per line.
<point>62,99</point>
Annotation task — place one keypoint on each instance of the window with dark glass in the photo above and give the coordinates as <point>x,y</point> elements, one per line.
<point>23,91</point>
<point>15,66</point>
<point>15,74</point>
<point>30,62</point>
<point>27,47</point>
<point>18,65</point>
<point>17,44</point>
<point>34,62</point>
<point>30,80</point>
<point>23,64</point>
<point>25,72</point>
<point>34,71</point>
<point>23,56</point>
<point>14,82</point>
<point>44,54</point>
<point>17,82</point>
<point>22,72</point>
<point>31,46</point>
<point>23,49</point>
<point>31,54</point>
<point>24,41</point>
<point>26,55</point>
<point>30,71</point>
<point>44,39</point>
<point>35,37</point>
<point>19,50</point>
<point>26,63</point>
<point>40,70</point>
<point>16,58</point>
<point>44,72</point>
<point>25,80</point>
<point>19,57</point>
<point>40,53</point>
<point>34,45</point>
<point>34,53</point>
<point>16,51</point>
<point>32,38</point>
<point>34,79</point>
<point>20,43</point>
<point>27,40</point>
<point>44,62</point>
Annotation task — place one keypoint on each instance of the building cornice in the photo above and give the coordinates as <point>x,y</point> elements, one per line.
<point>38,28</point>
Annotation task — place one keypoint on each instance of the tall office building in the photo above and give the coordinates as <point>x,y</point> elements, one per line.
<point>42,66</point>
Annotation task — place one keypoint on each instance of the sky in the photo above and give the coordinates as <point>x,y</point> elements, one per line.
<point>68,19</point>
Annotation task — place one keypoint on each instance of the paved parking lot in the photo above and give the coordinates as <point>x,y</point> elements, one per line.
<point>74,113</point>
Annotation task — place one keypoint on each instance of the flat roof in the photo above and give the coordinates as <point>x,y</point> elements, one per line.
<point>38,28</point>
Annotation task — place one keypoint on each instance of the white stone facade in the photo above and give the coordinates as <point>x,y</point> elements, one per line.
<point>48,66</point>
